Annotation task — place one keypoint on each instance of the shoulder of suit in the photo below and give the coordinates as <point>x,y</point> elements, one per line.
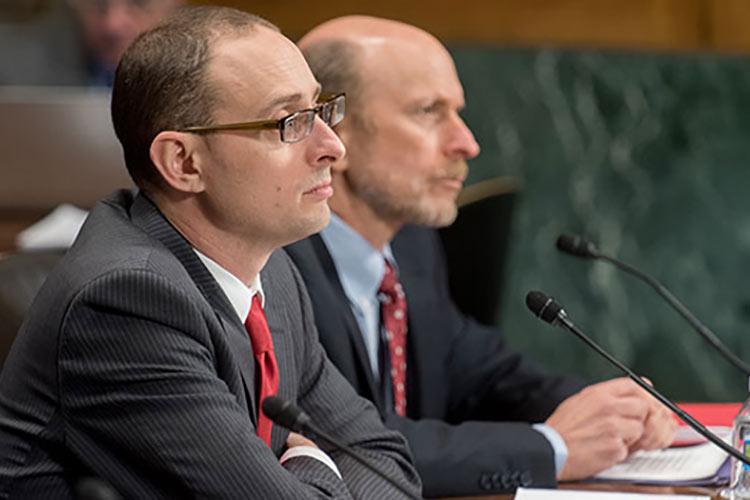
<point>110,242</point>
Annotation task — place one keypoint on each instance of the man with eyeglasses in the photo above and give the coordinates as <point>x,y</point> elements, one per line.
<point>146,356</point>
<point>479,417</point>
<point>76,42</point>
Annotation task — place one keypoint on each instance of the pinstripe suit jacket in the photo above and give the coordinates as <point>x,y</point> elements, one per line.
<point>133,366</point>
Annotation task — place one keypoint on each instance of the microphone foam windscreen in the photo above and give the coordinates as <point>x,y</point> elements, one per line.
<point>543,306</point>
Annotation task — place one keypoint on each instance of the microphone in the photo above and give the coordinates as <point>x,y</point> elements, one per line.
<point>580,247</point>
<point>547,309</point>
<point>285,414</point>
<point>290,416</point>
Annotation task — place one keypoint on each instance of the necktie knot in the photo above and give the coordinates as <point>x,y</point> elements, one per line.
<point>390,287</point>
<point>256,322</point>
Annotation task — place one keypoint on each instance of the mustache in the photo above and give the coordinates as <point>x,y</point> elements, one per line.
<point>459,169</point>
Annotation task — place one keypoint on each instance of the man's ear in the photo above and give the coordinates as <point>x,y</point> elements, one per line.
<point>175,156</point>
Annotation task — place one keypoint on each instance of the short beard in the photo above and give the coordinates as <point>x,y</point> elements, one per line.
<point>401,209</point>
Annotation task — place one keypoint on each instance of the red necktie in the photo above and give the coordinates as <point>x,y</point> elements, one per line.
<point>393,319</point>
<point>267,370</point>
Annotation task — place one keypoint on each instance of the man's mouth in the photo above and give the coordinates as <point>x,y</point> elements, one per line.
<point>322,190</point>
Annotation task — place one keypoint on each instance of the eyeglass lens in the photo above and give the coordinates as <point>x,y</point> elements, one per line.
<point>299,125</point>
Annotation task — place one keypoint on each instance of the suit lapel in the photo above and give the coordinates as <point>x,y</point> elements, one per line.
<point>352,327</point>
<point>283,347</point>
<point>148,217</point>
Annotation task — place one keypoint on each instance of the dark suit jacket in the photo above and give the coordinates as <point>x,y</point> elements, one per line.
<point>134,367</point>
<point>469,394</point>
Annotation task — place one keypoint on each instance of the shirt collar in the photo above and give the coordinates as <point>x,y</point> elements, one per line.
<point>360,266</point>
<point>239,295</point>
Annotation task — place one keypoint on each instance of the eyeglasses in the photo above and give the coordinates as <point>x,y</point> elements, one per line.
<point>292,128</point>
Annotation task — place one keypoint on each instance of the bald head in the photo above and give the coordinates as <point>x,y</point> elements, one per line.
<point>354,54</point>
<point>406,143</point>
<point>365,31</point>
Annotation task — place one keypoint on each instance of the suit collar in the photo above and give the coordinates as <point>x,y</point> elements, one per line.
<point>238,294</point>
<point>149,218</point>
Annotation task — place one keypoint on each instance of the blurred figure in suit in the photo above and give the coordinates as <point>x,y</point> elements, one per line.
<point>479,416</point>
<point>146,355</point>
<point>75,42</point>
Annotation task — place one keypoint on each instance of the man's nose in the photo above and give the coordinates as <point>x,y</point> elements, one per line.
<point>461,143</point>
<point>328,145</point>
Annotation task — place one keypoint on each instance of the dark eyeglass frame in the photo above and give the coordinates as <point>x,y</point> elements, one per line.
<point>324,109</point>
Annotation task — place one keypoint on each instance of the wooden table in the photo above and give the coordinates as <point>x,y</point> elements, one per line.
<point>628,488</point>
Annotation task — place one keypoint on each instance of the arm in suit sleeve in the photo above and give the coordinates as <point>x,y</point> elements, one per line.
<point>145,409</point>
<point>474,458</point>
<point>487,443</point>
<point>483,441</point>
<point>356,422</point>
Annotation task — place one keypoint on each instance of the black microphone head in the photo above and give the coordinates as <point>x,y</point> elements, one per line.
<point>543,306</point>
<point>577,245</point>
<point>285,413</point>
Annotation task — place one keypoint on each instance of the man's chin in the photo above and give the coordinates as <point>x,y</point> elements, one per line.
<point>316,224</point>
<point>436,217</point>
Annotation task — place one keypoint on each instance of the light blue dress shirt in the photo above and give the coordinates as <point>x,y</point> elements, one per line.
<point>361,268</point>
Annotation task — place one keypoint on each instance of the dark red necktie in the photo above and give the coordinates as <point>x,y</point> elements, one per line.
<point>266,369</point>
<point>393,319</point>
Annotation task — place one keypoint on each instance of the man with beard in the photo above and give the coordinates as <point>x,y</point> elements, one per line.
<point>479,417</point>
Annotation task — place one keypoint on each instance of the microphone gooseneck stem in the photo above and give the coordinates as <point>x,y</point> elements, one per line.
<point>288,415</point>
<point>312,432</point>
<point>702,329</point>
<point>564,322</point>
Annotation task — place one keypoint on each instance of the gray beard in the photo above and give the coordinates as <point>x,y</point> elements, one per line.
<point>389,207</point>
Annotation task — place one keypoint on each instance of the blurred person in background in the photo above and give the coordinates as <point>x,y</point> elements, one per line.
<point>74,42</point>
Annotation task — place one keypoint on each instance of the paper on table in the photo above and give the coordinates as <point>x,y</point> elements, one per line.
<point>539,494</point>
<point>58,229</point>
<point>670,465</point>
<point>687,436</point>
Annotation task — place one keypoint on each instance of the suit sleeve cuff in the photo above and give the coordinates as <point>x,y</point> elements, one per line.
<point>559,447</point>
<point>311,452</point>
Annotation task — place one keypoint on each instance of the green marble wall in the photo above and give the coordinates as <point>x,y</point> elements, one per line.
<point>649,156</point>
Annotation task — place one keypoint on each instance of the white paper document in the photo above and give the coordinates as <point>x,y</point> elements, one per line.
<point>539,494</point>
<point>670,465</point>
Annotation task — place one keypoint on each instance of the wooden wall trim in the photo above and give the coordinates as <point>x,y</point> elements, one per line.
<point>662,25</point>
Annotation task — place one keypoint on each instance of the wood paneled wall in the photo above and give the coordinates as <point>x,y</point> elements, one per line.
<point>662,25</point>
